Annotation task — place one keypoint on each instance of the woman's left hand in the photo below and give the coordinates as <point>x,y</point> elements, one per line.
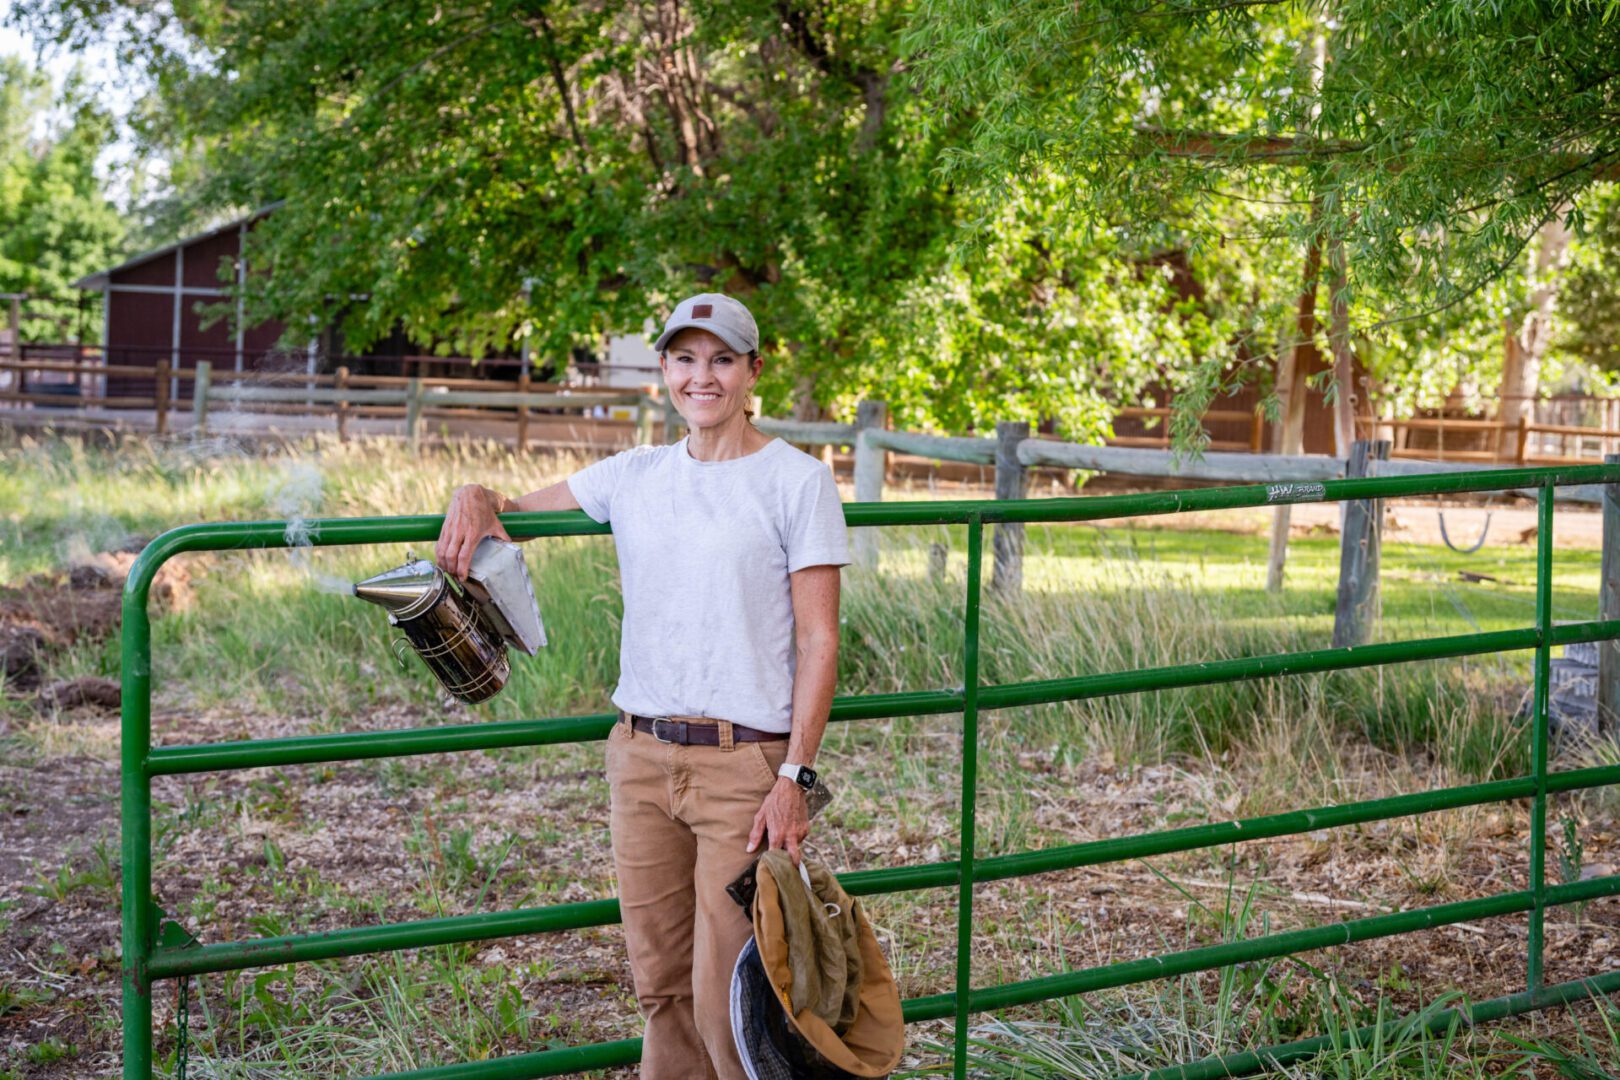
<point>784,818</point>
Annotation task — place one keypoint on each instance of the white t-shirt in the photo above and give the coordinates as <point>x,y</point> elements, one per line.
<point>705,550</point>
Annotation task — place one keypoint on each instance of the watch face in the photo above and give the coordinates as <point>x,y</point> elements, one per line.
<point>806,778</point>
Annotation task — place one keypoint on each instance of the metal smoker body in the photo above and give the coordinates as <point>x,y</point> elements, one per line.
<point>462,634</point>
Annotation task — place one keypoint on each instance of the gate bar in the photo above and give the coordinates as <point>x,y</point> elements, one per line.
<point>359,745</point>
<point>628,1051</point>
<point>1538,734</point>
<point>939,1006</point>
<point>1266,947</point>
<point>419,528</point>
<point>168,963</point>
<point>970,792</point>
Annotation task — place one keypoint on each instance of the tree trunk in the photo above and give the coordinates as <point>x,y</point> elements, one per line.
<point>1345,390</point>
<point>1524,341</point>
<point>1293,363</point>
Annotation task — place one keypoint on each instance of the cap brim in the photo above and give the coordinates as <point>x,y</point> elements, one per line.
<point>698,324</point>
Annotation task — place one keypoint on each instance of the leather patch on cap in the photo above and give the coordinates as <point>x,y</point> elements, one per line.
<point>702,311</point>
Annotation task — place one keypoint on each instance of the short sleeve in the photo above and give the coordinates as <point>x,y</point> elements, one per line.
<point>594,485</point>
<point>816,535</point>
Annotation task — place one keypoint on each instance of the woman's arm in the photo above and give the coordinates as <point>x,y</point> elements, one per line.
<point>471,516</point>
<point>784,816</point>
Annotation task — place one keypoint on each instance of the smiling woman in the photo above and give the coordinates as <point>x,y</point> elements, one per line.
<point>709,354</point>
<point>729,546</point>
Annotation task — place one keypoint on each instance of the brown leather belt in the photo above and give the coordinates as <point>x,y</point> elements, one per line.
<point>704,733</point>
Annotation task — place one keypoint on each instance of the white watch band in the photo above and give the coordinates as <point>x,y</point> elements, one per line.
<point>789,770</point>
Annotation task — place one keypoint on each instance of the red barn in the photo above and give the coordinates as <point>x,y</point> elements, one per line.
<point>164,305</point>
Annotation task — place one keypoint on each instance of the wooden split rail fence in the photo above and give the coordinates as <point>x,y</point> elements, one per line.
<point>342,395</point>
<point>28,382</point>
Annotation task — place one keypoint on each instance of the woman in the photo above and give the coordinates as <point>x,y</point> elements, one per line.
<point>729,546</point>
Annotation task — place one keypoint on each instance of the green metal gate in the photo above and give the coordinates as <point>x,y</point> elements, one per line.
<point>152,952</point>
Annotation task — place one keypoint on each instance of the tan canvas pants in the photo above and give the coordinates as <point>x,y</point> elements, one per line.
<point>680,819</point>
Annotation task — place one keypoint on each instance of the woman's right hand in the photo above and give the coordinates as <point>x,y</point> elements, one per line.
<point>470,517</point>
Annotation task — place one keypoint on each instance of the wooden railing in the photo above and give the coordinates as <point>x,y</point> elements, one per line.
<point>1503,441</point>
<point>347,396</point>
<point>341,395</point>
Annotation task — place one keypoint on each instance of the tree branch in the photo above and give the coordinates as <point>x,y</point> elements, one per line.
<point>559,79</point>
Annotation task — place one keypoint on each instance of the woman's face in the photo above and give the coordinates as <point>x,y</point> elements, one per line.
<point>709,381</point>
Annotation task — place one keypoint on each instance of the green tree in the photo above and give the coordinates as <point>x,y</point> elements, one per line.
<point>1418,147</point>
<point>556,171</point>
<point>56,221</point>
<point>1589,302</point>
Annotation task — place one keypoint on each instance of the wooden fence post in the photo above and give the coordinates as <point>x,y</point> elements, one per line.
<point>199,399</point>
<point>160,397</point>
<point>672,420</point>
<point>870,464</point>
<point>1360,542</point>
<point>1524,440</point>
<point>1012,482</point>
<point>1608,687</point>
<point>343,405</point>
<point>413,413</point>
<point>523,381</point>
<point>644,415</point>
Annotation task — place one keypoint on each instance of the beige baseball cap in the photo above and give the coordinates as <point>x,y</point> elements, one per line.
<point>717,313</point>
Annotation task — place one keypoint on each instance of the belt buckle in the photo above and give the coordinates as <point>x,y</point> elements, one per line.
<point>664,720</point>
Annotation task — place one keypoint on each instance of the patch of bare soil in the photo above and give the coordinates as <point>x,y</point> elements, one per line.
<point>47,612</point>
<point>242,855</point>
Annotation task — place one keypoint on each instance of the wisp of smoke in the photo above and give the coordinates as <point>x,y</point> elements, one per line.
<point>297,494</point>
<point>91,533</point>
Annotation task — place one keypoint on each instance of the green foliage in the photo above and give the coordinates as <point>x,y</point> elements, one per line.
<point>49,1051</point>
<point>970,208</point>
<point>56,222</point>
<point>556,172</point>
<point>1431,141</point>
<point>1589,298</point>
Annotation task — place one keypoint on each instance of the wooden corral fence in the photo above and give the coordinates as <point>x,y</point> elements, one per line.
<point>1564,429</point>
<point>63,377</point>
<point>1011,453</point>
<point>342,396</point>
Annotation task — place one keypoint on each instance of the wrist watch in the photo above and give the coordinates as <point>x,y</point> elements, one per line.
<point>803,775</point>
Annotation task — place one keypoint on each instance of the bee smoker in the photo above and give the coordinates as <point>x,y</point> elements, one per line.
<point>461,633</point>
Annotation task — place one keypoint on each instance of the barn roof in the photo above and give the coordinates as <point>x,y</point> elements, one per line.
<point>99,280</point>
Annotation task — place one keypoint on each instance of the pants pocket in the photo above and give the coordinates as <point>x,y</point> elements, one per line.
<point>611,748</point>
<point>768,761</point>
